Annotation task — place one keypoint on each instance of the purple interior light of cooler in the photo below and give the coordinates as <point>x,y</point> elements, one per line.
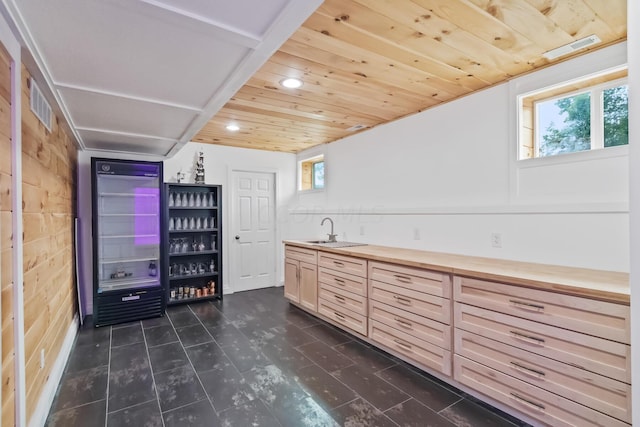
<point>147,219</point>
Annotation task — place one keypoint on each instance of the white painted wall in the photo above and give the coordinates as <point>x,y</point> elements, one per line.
<point>219,161</point>
<point>633,17</point>
<point>446,178</point>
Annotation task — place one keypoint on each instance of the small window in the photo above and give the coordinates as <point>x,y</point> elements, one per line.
<point>578,116</point>
<point>312,174</point>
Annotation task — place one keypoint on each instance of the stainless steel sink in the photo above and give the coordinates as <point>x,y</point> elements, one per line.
<point>328,244</point>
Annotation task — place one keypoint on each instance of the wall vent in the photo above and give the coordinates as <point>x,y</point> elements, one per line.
<point>40,106</point>
<point>572,47</point>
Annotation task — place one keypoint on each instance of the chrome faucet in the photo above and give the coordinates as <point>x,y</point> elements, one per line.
<point>332,237</point>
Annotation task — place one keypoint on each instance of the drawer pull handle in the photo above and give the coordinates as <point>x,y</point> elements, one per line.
<point>401,300</point>
<point>527,369</point>
<point>403,344</point>
<point>339,298</point>
<point>339,316</point>
<point>403,279</point>
<point>527,305</point>
<point>403,323</point>
<point>340,281</point>
<point>338,263</point>
<point>528,338</point>
<point>535,405</point>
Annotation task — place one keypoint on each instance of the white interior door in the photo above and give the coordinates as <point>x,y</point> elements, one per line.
<point>253,230</point>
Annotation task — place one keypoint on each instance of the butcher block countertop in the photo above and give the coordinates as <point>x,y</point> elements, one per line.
<point>603,285</point>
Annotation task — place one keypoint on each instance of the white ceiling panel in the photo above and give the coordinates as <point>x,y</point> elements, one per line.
<point>232,13</point>
<point>111,113</point>
<point>144,76</point>
<point>132,48</point>
<point>125,144</point>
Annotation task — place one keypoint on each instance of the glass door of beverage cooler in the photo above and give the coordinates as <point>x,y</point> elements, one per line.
<point>128,232</point>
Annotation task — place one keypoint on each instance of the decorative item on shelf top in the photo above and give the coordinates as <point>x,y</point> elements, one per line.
<point>200,169</point>
<point>179,176</point>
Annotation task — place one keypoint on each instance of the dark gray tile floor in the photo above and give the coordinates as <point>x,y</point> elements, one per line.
<point>251,360</point>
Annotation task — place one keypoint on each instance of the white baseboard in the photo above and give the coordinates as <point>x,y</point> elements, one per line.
<point>39,417</point>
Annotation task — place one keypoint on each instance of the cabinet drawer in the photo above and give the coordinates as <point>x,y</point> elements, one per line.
<point>416,302</point>
<point>595,391</point>
<point>422,281</point>
<point>355,284</point>
<point>594,354</point>
<point>549,408</point>
<point>346,264</point>
<point>603,319</point>
<point>301,254</point>
<point>424,353</point>
<point>345,299</point>
<point>417,326</point>
<point>343,316</point>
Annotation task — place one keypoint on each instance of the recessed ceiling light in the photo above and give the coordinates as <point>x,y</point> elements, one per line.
<point>233,127</point>
<point>291,83</point>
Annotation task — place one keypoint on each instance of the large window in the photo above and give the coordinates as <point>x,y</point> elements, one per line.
<point>312,174</point>
<point>579,116</point>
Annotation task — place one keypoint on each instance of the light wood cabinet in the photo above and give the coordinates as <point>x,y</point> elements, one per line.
<point>549,408</point>
<point>291,280</point>
<point>588,388</point>
<point>599,318</point>
<point>564,360</point>
<point>343,291</point>
<point>548,356</point>
<point>410,313</point>
<point>301,277</point>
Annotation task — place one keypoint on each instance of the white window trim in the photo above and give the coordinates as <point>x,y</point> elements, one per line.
<point>318,153</point>
<point>597,109</point>
<point>586,66</point>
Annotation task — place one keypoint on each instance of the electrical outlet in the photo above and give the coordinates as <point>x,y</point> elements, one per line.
<point>496,240</point>
<point>362,230</point>
<point>42,359</point>
<point>416,233</point>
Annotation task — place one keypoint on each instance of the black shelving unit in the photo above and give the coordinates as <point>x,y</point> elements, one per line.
<point>193,250</point>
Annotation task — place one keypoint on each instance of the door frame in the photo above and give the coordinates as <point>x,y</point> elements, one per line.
<point>230,234</point>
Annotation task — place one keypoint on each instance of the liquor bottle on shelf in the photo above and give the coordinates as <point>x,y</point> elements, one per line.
<point>193,255</point>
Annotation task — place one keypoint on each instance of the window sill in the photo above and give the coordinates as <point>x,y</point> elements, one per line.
<point>319,190</point>
<point>581,156</point>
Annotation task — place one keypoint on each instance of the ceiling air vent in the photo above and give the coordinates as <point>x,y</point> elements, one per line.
<point>572,47</point>
<point>40,106</point>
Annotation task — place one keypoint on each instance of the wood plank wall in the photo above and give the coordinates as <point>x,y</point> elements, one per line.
<point>6,242</point>
<point>49,163</point>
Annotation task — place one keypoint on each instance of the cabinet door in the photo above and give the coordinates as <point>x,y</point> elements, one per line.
<point>309,286</point>
<point>291,284</point>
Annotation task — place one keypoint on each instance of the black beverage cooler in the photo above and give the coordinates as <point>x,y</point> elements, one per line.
<point>127,225</point>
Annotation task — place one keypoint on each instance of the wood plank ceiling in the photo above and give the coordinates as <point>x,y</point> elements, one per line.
<point>368,62</point>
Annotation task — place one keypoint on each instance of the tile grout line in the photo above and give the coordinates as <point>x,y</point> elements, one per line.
<point>191,364</point>
<point>106,403</point>
<point>234,365</point>
<point>358,395</point>
<point>153,377</point>
<point>449,406</point>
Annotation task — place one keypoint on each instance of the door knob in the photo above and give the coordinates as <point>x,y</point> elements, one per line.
<point>237,237</point>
